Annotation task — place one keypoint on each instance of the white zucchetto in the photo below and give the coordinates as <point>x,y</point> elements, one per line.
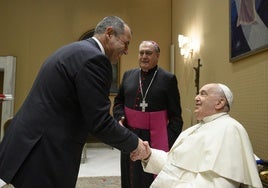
<point>228,94</point>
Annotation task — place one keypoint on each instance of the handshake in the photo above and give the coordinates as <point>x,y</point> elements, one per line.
<point>142,152</point>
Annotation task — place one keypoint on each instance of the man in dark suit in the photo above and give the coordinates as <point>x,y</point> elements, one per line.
<point>69,98</point>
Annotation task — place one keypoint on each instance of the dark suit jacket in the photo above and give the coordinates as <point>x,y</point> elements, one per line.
<point>69,98</point>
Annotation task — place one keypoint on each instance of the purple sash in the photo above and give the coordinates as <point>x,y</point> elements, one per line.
<point>155,122</point>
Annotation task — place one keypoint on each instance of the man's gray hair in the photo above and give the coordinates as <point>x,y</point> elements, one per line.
<point>111,21</point>
<point>155,45</point>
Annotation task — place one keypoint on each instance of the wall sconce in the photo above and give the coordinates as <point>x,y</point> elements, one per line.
<point>186,46</point>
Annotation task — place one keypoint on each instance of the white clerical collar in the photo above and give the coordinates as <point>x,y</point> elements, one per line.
<point>100,45</point>
<point>212,117</point>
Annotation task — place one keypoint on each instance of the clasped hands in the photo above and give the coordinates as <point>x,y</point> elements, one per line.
<point>142,152</point>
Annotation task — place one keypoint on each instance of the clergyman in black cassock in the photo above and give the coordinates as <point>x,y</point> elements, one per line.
<point>148,103</point>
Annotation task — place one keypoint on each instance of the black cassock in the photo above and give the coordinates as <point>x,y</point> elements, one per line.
<point>163,94</point>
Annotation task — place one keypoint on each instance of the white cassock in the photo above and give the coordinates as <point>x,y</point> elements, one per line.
<point>215,153</point>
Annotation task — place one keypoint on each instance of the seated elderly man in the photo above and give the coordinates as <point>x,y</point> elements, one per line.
<point>215,153</point>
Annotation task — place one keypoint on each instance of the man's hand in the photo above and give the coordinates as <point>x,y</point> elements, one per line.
<point>143,151</point>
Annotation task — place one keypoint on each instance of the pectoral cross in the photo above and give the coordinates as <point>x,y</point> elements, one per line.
<point>143,105</point>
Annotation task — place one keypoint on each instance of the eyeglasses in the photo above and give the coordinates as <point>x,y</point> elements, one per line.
<point>126,43</point>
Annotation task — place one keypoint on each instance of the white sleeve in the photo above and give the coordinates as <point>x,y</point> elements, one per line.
<point>156,161</point>
<point>2,183</point>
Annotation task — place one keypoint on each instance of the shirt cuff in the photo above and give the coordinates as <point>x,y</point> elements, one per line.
<point>2,183</point>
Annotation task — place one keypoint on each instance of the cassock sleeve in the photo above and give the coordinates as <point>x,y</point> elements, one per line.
<point>174,111</point>
<point>119,100</point>
<point>156,161</point>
